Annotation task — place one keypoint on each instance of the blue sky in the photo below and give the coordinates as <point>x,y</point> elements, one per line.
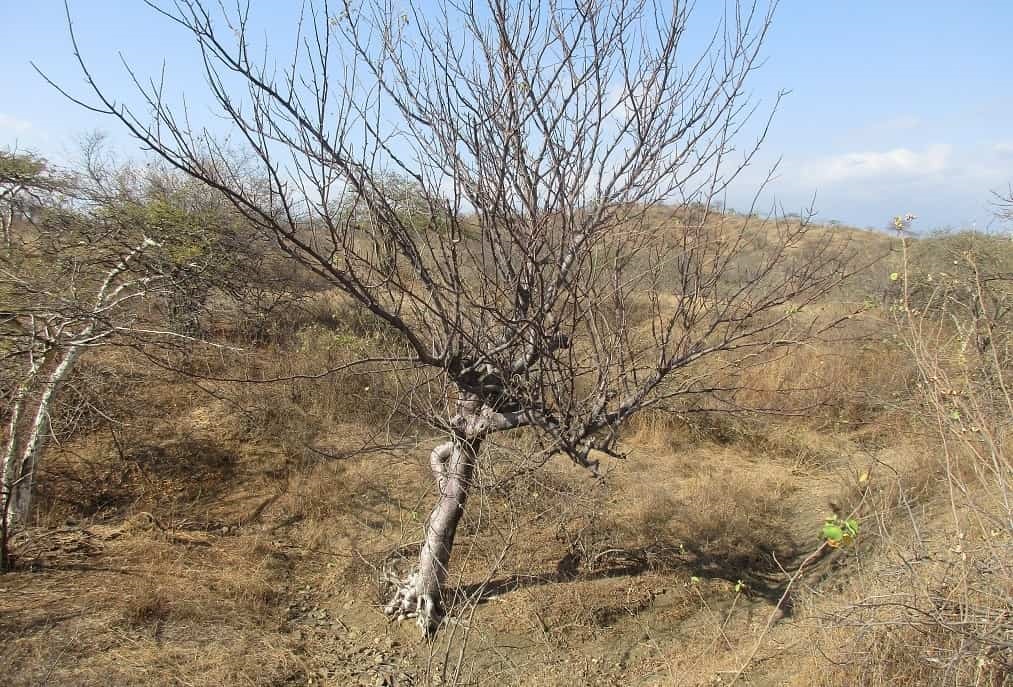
<point>895,107</point>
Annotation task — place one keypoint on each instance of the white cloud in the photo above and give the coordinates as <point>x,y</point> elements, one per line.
<point>896,163</point>
<point>1004,150</point>
<point>9,124</point>
<point>622,103</point>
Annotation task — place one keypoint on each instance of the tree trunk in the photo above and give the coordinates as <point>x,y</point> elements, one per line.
<point>28,432</point>
<point>7,220</point>
<point>421,595</point>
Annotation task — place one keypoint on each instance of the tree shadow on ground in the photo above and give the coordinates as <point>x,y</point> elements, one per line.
<point>146,476</point>
<point>193,459</point>
<point>764,576</point>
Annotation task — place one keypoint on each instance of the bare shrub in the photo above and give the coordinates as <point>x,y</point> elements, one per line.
<point>940,610</point>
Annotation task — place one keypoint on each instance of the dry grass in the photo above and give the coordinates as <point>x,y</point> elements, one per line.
<point>150,610</point>
<point>220,533</point>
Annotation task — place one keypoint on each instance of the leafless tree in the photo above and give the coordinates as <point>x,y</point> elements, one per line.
<point>51,339</point>
<point>563,161</point>
<point>1003,204</point>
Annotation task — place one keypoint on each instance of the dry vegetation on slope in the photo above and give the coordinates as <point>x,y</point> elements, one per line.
<point>201,532</point>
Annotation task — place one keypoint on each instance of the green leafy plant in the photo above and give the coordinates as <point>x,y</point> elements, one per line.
<point>838,532</point>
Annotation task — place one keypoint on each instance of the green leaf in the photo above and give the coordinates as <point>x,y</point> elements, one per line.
<point>851,525</point>
<point>832,532</point>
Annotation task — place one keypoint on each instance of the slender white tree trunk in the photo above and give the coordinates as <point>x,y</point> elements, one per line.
<point>29,426</point>
<point>28,432</point>
<point>421,595</point>
<point>7,220</point>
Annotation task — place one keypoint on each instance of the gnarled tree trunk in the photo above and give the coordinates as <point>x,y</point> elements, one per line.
<point>421,594</point>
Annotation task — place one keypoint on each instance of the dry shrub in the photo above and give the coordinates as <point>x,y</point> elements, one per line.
<point>708,510</point>
<point>149,607</point>
<point>736,520</point>
<point>851,380</point>
<point>940,610</point>
<point>365,489</point>
<point>857,384</point>
<point>908,657</point>
<point>98,390</point>
<point>929,614</point>
<point>665,432</point>
<point>315,391</point>
<point>104,480</point>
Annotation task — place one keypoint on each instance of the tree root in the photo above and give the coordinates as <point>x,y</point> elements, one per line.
<point>410,602</point>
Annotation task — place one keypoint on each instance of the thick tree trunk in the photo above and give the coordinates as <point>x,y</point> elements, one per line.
<point>421,595</point>
<point>28,432</point>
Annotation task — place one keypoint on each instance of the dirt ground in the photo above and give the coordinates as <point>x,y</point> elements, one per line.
<point>209,561</point>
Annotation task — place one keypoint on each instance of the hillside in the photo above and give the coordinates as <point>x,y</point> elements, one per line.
<point>194,530</point>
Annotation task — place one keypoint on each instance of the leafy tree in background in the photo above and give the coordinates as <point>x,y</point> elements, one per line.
<point>25,182</point>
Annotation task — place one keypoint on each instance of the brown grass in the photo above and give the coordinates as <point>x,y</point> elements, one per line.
<point>220,533</point>
<point>152,611</point>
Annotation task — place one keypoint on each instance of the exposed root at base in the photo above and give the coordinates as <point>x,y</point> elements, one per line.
<point>410,602</point>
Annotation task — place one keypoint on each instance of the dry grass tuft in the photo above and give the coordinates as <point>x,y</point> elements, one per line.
<point>151,612</point>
